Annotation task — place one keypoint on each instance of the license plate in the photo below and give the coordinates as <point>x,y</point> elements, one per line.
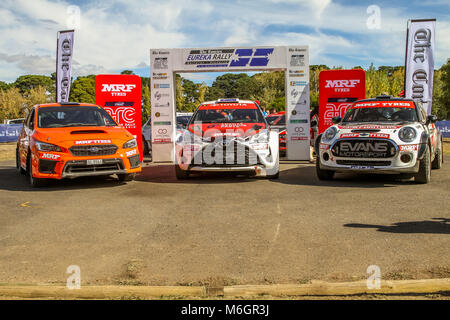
<point>362,167</point>
<point>94,162</point>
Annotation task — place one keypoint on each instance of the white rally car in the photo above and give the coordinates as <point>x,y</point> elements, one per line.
<point>227,135</point>
<point>382,135</point>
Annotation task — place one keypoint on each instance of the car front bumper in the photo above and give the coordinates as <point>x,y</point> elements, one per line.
<point>63,165</point>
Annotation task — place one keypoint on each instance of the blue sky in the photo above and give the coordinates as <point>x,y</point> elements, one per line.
<point>114,35</point>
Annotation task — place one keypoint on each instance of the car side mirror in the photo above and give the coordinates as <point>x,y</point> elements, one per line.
<point>336,120</point>
<point>431,118</point>
<point>313,123</point>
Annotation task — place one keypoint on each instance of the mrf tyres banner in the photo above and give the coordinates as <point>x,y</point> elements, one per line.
<point>420,62</point>
<point>64,52</point>
<point>120,96</point>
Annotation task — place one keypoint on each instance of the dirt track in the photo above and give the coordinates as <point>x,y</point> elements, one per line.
<point>217,230</point>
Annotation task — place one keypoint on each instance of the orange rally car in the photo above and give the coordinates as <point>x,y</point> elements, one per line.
<point>69,140</point>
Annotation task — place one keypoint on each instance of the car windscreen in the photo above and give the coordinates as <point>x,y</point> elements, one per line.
<point>380,114</point>
<point>183,120</point>
<point>281,121</point>
<point>79,116</point>
<point>228,115</point>
<point>271,118</point>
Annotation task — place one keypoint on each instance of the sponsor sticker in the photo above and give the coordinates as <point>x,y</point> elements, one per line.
<point>324,146</point>
<point>411,147</point>
<point>161,63</point>
<point>299,138</point>
<point>162,140</point>
<point>84,142</point>
<point>349,135</point>
<point>379,135</point>
<point>297,83</point>
<point>297,60</point>
<point>50,156</point>
<point>161,85</point>
<point>131,153</point>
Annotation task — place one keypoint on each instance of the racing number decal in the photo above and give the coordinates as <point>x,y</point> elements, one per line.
<point>256,58</point>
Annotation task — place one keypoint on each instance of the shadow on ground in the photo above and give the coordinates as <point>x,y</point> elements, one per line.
<point>166,174</point>
<point>11,180</point>
<point>438,226</point>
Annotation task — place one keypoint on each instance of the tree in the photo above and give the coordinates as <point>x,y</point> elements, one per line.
<point>127,72</point>
<point>270,86</point>
<point>13,104</point>
<point>441,94</point>
<point>227,84</point>
<point>146,106</point>
<point>28,82</point>
<point>83,90</point>
<point>38,95</point>
<point>3,85</point>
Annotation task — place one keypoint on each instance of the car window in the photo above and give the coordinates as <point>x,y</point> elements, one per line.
<point>229,115</point>
<point>31,119</point>
<point>380,114</point>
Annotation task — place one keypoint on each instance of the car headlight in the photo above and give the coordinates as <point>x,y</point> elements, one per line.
<point>330,133</point>
<point>42,146</point>
<point>261,137</point>
<point>130,144</point>
<point>407,134</point>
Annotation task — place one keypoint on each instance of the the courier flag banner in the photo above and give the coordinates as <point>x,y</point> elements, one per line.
<point>64,52</point>
<point>420,62</point>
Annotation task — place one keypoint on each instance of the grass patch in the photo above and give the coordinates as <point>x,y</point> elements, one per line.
<point>446,145</point>
<point>7,151</point>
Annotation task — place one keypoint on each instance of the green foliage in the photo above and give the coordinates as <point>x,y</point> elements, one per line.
<point>83,90</point>
<point>28,82</point>
<point>267,87</point>
<point>127,72</point>
<point>441,92</point>
<point>3,85</point>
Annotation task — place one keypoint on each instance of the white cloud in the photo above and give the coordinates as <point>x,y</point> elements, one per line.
<point>117,35</point>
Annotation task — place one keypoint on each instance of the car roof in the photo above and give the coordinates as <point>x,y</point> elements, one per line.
<point>384,98</point>
<point>241,104</point>
<point>279,113</point>
<point>67,104</point>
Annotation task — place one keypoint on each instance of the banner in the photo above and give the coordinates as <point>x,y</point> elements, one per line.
<point>120,96</point>
<point>10,132</point>
<point>64,51</point>
<point>419,62</point>
<point>338,89</point>
<point>444,128</point>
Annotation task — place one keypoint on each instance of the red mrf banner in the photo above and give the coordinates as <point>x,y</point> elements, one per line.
<point>338,89</point>
<point>120,96</point>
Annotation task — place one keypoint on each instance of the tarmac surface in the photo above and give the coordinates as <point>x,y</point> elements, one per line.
<point>217,230</point>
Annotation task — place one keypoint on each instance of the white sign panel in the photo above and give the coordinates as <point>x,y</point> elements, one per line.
<point>420,62</point>
<point>64,52</point>
<point>165,62</point>
<point>297,103</point>
<point>163,105</point>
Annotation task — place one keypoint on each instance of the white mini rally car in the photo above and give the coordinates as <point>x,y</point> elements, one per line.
<point>382,135</point>
<point>227,135</point>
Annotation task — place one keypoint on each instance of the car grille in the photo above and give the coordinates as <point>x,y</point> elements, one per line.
<point>93,150</point>
<point>364,163</point>
<point>364,148</point>
<point>82,166</point>
<point>235,156</point>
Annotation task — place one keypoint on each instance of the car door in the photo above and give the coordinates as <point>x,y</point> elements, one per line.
<point>25,137</point>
